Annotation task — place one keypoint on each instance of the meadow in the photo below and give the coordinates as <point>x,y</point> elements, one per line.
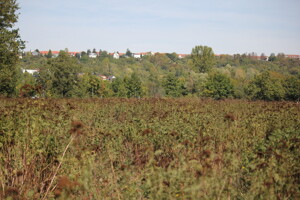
<point>150,148</point>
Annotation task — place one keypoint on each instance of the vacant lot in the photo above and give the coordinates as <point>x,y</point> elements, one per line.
<point>149,149</point>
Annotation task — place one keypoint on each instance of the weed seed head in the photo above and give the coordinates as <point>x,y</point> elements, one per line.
<point>76,127</point>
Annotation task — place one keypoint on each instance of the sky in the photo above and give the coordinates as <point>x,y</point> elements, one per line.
<point>228,26</point>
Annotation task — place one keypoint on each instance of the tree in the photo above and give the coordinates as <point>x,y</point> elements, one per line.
<point>133,86</point>
<point>173,56</point>
<point>65,78</point>
<point>103,54</point>
<point>106,66</point>
<point>45,80</point>
<point>118,87</point>
<point>195,83</point>
<point>88,52</point>
<point>27,85</point>
<point>203,58</point>
<point>292,88</point>
<point>128,53</point>
<point>10,45</point>
<point>264,87</point>
<point>83,53</point>
<point>173,86</point>
<point>263,57</point>
<point>94,50</point>
<point>78,55</point>
<point>153,85</point>
<point>272,57</point>
<point>218,86</point>
<point>91,84</point>
<point>49,54</point>
<point>280,56</point>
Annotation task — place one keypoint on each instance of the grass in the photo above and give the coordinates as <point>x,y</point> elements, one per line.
<point>152,148</point>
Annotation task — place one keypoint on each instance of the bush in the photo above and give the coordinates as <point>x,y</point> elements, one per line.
<point>218,86</point>
<point>264,87</point>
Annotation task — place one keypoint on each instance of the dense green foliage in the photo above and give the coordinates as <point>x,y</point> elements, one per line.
<point>203,58</point>
<point>10,45</point>
<point>265,88</point>
<point>173,86</point>
<point>164,75</point>
<point>149,149</point>
<point>218,86</point>
<point>64,71</point>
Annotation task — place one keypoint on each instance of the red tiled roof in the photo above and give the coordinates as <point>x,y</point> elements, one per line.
<point>292,56</point>
<point>43,52</point>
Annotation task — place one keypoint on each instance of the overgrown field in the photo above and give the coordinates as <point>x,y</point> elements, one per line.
<point>149,149</point>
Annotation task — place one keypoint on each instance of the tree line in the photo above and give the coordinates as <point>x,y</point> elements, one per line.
<point>200,75</point>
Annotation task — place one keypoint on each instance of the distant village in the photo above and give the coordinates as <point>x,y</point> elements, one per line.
<point>115,55</point>
<point>118,55</point>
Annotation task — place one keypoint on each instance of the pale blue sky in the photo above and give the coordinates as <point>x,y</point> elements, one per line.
<point>228,26</point>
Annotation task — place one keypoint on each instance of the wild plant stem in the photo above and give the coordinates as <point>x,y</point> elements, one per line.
<point>60,163</point>
<point>114,177</point>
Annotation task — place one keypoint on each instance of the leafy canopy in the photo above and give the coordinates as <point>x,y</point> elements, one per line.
<point>203,58</point>
<point>10,44</point>
<point>264,87</point>
<point>218,86</point>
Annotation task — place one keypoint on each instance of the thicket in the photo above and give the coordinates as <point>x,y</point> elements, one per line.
<point>183,148</point>
<point>238,76</point>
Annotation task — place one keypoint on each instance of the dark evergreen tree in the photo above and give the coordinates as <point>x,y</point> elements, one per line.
<point>83,53</point>
<point>49,54</point>
<point>78,55</point>
<point>118,87</point>
<point>173,86</point>
<point>133,86</point>
<point>272,57</point>
<point>128,53</point>
<point>172,56</point>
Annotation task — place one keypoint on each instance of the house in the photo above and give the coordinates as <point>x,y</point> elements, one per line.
<point>293,56</point>
<point>116,55</point>
<point>140,55</point>
<point>102,77</point>
<point>30,71</point>
<point>137,55</point>
<point>92,55</point>
<point>150,53</point>
<point>54,53</point>
<point>73,53</point>
<point>43,53</point>
<point>111,77</point>
<point>35,53</point>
